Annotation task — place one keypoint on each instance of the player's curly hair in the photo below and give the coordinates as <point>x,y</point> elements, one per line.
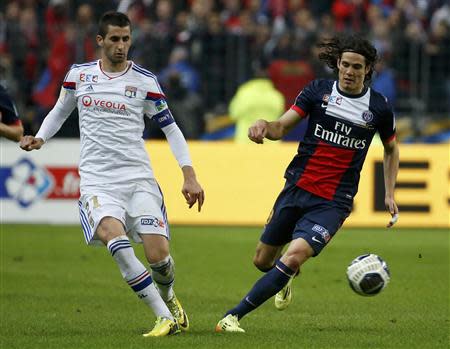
<point>117,19</point>
<point>332,49</point>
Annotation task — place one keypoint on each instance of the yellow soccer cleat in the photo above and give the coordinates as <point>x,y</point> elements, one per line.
<point>178,313</point>
<point>284,297</point>
<point>229,323</point>
<point>163,327</point>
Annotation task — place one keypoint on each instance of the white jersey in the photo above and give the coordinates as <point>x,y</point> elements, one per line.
<point>111,119</point>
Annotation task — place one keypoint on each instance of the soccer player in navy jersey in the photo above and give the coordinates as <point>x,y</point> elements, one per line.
<point>322,179</point>
<point>10,124</point>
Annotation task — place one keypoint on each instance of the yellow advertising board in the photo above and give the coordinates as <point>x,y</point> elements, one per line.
<point>242,181</point>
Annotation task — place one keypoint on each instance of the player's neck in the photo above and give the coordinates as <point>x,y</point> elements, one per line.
<point>356,91</point>
<point>110,67</point>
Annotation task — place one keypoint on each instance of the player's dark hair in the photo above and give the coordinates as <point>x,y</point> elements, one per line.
<point>117,19</point>
<point>332,49</point>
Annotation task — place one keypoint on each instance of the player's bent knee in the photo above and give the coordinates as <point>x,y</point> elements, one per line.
<point>263,264</point>
<point>265,256</point>
<point>156,247</point>
<point>295,258</point>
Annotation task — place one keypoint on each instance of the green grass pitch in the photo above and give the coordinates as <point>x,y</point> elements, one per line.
<point>58,293</point>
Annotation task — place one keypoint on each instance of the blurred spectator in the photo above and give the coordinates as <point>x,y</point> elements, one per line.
<point>349,15</point>
<point>22,47</point>
<point>438,49</point>
<point>186,107</point>
<point>85,45</point>
<point>255,99</point>
<point>56,19</point>
<point>384,81</point>
<point>213,54</point>
<point>178,63</point>
<point>289,77</point>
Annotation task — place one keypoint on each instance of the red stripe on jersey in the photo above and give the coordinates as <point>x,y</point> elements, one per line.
<point>68,84</point>
<point>390,139</point>
<point>324,170</point>
<point>155,96</point>
<point>299,111</point>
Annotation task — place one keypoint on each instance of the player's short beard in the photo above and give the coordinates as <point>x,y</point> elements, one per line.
<point>115,60</point>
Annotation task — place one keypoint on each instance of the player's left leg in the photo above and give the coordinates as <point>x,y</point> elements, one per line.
<point>148,224</point>
<point>267,286</point>
<point>156,248</point>
<point>265,257</point>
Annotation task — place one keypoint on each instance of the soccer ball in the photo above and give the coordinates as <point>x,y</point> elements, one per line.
<point>368,274</point>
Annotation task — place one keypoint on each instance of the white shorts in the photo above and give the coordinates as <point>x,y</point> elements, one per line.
<point>141,212</point>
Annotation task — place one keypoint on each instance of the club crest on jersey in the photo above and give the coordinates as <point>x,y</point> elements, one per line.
<point>367,116</point>
<point>88,78</point>
<point>325,99</point>
<point>130,91</point>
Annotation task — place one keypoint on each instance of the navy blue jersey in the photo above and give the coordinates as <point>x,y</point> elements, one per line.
<point>8,111</point>
<point>340,129</point>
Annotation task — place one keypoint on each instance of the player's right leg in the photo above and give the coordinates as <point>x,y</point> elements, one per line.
<point>111,232</point>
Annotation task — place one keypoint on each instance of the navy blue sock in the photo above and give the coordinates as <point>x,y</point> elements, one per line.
<point>266,287</point>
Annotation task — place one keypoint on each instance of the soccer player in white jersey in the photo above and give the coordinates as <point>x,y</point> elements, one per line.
<point>120,198</point>
<point>322,178</point>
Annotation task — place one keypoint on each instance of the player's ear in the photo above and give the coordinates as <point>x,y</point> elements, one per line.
<point>99,39</point>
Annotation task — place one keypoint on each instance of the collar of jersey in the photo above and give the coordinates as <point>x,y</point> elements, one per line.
<point>345,94</point>
<point>113,77</point>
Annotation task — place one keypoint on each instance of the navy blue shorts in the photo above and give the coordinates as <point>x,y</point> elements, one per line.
<point>298,213</point>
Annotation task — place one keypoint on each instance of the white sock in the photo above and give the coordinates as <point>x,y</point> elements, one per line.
<point>137,276</point>
<point>163,274</point>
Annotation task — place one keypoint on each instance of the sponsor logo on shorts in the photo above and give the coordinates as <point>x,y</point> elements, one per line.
<point>153,221</point>
<point>322,231</point>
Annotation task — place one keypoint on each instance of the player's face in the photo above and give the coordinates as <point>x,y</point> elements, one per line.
<point>352,71</point>
<point>115,44</point>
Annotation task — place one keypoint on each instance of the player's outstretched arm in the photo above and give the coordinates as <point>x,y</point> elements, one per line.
<point>390,165</point>
<point>274,130</point>
<point>29,143</point>
<point>192,189</point>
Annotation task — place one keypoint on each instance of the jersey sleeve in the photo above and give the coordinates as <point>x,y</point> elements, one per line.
<point>64,106</point>
<point>8,110</point>
<point>306,98</point>
<point>156,106</point>
<point>387,128</point>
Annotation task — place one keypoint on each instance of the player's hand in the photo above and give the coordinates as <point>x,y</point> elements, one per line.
<point>193,193</point>
<point>29,143</point>
<point>257,132</point>
<point>391,206</point>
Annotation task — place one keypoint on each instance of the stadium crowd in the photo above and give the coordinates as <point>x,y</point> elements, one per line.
<point>203,50</point>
